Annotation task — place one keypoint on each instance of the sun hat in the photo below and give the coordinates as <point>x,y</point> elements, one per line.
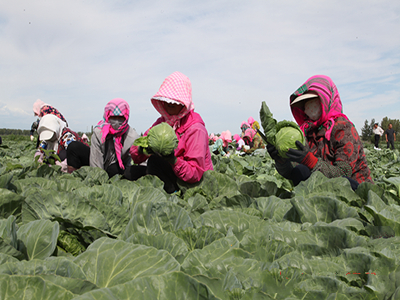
<point>296,101</point>
<point>46,135</point>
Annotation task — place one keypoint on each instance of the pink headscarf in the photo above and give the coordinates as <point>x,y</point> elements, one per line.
<point>37,106</point>
<point>250,120</point>
<point>116,107</point>
<point>331,104</point>
<point>226,136</point>
<point>213,137</point>
<point>177,89</point>
<point>250,133</point>
<point>237,137</point>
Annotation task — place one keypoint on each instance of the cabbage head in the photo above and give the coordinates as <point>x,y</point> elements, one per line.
<point>287,134</point>
<point>162,139</point>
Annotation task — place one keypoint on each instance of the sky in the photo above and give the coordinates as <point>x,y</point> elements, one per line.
<point>78,55</point>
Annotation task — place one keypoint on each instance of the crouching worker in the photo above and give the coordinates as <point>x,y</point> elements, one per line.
<point>112,138</point>
<point>332,147</point>
<point>221,145</point>
<point>55,137</point>
<point>252,140</point>
<point>191,157</point>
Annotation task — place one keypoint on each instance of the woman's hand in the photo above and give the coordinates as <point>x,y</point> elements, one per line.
<point>303,156</point>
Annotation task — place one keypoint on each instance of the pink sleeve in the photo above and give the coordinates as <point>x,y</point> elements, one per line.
<point>40,154</point>
<point>137,157</point>
<point>191,155</point>
<point>63,165</point>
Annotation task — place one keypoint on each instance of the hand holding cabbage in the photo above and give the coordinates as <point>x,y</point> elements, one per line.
<point>282,135</point>
<point>161,140</point>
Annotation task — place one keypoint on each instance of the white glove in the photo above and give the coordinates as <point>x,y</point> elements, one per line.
<point>246,147</point>
<point>32,137</point>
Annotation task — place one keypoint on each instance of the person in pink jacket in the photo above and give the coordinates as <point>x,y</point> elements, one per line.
<point>192,156</point>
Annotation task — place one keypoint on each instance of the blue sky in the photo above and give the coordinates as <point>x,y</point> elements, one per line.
<point>78,55</point>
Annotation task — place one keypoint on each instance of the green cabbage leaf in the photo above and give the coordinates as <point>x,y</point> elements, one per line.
<point>161,139</point>
<point>283,135</point>
<point>287,134</point>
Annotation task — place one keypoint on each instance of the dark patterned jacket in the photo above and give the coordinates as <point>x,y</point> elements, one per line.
<point>343,155</point>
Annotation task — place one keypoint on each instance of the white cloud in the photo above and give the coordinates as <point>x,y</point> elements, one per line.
<point>79,55</point>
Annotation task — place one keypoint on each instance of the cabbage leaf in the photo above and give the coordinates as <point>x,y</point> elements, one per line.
<point>283,135</point>
<point>160,139</point>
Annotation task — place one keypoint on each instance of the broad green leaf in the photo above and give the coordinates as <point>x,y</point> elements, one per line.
<point>61,271</point>
<point>127,188</point>
<point>58,266</point>
<point>268,123</point>
<point>198,238</point>
<point>10,204</point>
<point>8,231</point>
<point>238,201</point>
<point>332,237</point>
<point>389,216</point>
<point>24,186</point>
<point>348,223</point>
<point>319,185</point>
<point>150,181</point>
<point>255,189</point>
<point>5,181</point>
<point>165,241</point>
<point>197,205</point>
<point>8,238</point>
<point>223,220</point>
<point>273,207</point>
<point>31,288</point>
<point>7,249</point>
<point>321,287</point>
<point>154,217</point>
<point>38,239</point>
<point>322,208</point>
<point>70,184</point>
<point>108,200</point>
<point>91,176</point>
<point>147,194</point>
<point>108,262</point>
<point>175,285</point>
<point>65,208</point>
<point>199,261</point>
<point>394,182</point>
<point>5,258</point>
<point>214,185</point>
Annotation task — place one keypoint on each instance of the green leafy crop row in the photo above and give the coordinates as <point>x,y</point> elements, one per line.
<point>243,232</point>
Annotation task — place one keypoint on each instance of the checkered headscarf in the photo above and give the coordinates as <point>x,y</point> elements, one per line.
<point>116,107</point>
<point>177,89</point>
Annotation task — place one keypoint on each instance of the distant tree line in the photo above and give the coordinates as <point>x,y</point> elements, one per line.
<point>366,131</point>
<point>8,131</point>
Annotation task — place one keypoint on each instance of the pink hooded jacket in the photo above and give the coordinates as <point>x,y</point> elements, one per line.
<point>193,154</point>
<point>226,137</point>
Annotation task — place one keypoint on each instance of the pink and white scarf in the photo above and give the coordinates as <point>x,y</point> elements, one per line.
<point>331,104</point>
<point>116,107</point>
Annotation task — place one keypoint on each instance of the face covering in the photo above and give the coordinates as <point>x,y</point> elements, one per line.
<point>313,109</point>
<point>115,124</point>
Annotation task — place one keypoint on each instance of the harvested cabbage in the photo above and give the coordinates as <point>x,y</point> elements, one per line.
<point>288,133</point>
<point>282,135</point>
<point>161,139</point>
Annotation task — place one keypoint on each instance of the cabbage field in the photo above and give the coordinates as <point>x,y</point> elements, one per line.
<point>243,232</point>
